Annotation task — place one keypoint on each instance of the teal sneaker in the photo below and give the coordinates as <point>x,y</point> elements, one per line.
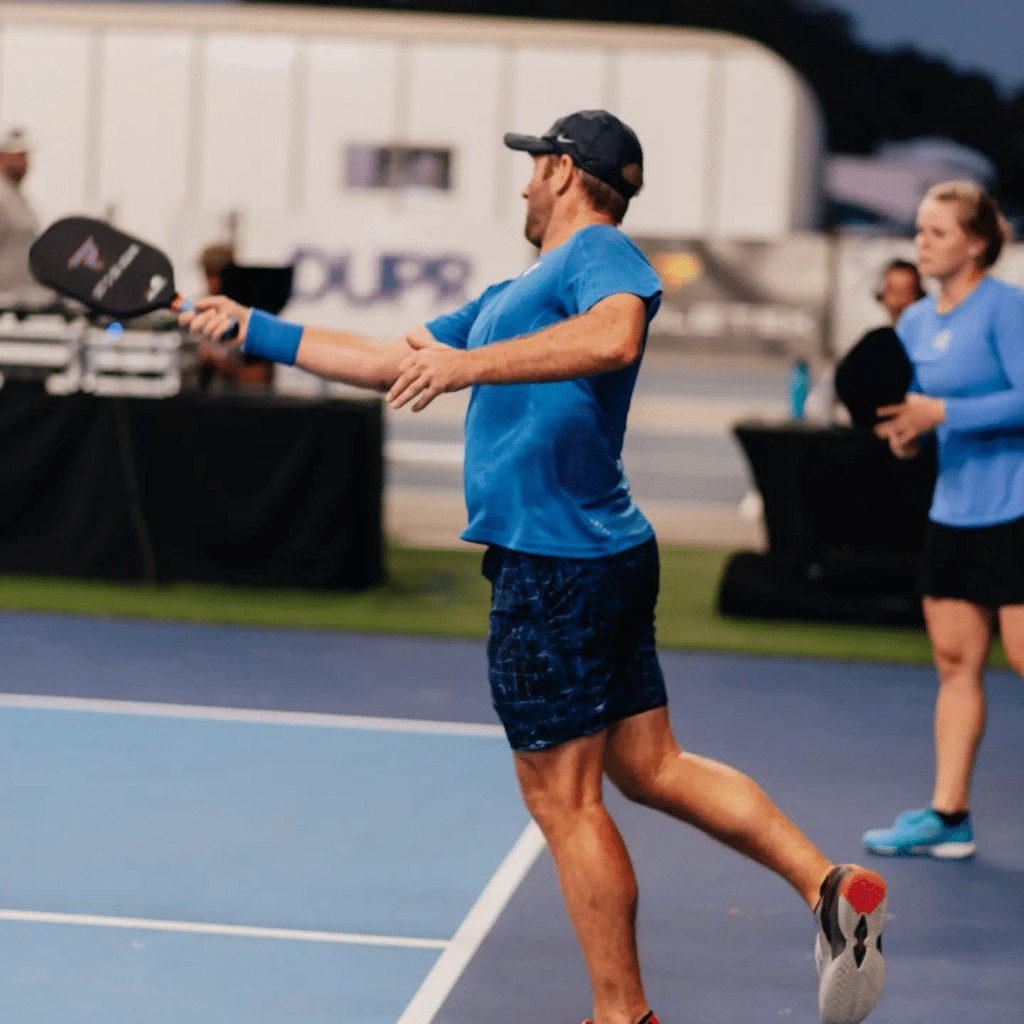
<point>922,833</point>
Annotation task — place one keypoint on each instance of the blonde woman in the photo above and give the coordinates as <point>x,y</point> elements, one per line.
<point>967,347</point>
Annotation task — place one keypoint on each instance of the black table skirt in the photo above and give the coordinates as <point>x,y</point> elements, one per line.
<point>828,490</point>
<point>245,491</point>
<point>845,521</point>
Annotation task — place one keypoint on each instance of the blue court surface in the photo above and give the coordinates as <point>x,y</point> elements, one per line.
<point>214,824</point>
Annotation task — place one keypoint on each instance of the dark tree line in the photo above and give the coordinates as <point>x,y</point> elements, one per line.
<point>869,96</point>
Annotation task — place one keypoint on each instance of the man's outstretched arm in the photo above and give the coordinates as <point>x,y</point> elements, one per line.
<point>607,337</point>
<point>338,355</point>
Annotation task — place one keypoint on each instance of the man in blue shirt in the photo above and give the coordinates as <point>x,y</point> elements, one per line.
<point>552,357</point>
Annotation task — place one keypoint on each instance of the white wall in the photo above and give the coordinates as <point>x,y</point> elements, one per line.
<point>454,99</point>
<point>143,149</point>
<point>245,123</point>
<point>46,85</point>
<point>755,162</point>
<point>172,123</point>
<point>677,155</point>
<point>350,94</point>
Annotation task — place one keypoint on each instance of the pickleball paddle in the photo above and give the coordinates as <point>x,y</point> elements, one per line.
<point>106,270</point>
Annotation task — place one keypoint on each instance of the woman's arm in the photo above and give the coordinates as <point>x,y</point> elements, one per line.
<point>1003,408</point>
<point>918,413</point>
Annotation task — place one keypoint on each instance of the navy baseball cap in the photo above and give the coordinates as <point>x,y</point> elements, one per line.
<point>597,141</point>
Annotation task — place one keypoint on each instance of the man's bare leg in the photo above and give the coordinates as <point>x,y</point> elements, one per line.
<point>646,763</point>
<point>562,790</point>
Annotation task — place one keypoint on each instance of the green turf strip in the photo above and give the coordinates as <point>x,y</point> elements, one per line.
<point>442,593</point>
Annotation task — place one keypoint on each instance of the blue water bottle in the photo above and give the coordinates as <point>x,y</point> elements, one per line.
<point>799,385</point>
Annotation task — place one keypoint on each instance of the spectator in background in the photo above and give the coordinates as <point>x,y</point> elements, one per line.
<point>19,226</point>
<point>220,368</point>
<point>212,260</point>
<point>967,348</point>
<point>876,371</point>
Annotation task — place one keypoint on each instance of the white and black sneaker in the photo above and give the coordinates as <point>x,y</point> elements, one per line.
<point>848,951</point>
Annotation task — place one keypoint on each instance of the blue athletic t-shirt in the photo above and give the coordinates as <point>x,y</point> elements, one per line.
<point>973,358</point>
<point>543,468</point>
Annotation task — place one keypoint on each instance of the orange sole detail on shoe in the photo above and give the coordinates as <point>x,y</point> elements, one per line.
<point>863,890</point>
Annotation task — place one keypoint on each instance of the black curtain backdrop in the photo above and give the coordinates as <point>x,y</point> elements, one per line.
<point>265,492</point>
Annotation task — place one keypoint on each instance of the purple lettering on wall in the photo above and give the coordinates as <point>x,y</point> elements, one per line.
<point>319,274</point>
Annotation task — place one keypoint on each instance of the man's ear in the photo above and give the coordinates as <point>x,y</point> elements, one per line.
<point>563,173</point>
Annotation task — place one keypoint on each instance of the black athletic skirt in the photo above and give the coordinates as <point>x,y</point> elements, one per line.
<point>980,564</point>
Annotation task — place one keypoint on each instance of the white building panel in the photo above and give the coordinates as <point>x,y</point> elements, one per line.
<point>176,116</point>
<point>755,164</point>
<point>144,142</point>
<point>547,83</point>
<point>550,82</point>
<point>454,103</point>
<point>246,132</point>
<point>350,97</point>
<point>46,86</point>
<point>664,98</point>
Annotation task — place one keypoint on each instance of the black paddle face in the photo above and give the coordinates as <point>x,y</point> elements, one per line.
<point>103,268</point>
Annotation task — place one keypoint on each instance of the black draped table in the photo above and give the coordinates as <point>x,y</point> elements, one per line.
<point>237,490</point>
<point>845,522</point>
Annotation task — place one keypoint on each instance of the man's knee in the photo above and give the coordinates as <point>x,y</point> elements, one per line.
<point>560,783</point>
<point>554,815</point>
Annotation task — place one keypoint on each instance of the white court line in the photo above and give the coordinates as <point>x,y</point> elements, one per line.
<point>199,928</point>
<point>457,952</point>
<point>127,707</point>
<point>479,921</point>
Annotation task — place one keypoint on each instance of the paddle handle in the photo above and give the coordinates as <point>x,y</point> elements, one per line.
<point>183,305</point>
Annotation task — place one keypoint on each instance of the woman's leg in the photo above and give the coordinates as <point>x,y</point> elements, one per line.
<point>961,635</point>
<point>1011,628</point>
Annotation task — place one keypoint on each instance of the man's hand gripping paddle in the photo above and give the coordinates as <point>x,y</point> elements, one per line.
<point>106,270</point>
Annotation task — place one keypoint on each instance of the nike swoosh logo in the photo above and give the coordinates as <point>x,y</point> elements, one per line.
<point>562,138</point>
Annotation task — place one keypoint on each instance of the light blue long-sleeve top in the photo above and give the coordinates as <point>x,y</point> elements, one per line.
<point>973,358</point>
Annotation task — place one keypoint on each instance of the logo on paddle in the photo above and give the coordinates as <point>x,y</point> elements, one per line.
<point>86,255</point>
<point>111,276</point>
<point>156,282</point>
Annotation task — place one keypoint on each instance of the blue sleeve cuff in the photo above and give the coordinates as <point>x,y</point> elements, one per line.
<point>272,338</point>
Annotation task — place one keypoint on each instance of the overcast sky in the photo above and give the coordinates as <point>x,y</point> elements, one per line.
<point>983,34</point>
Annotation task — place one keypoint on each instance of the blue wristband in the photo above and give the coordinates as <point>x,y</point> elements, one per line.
<point>272,338</point>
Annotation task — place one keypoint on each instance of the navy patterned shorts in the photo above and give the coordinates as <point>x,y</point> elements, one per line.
<point>571,646</point>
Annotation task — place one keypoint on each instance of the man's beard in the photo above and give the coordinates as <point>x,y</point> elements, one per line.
<point>536,225</point>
